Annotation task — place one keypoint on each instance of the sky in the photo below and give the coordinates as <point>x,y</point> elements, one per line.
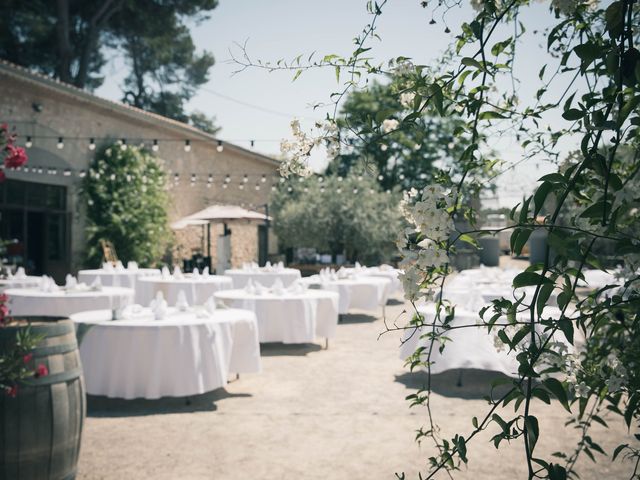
<point>257,105</point>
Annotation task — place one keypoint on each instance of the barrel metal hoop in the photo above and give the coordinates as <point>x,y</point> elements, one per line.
<point>54,378</point>
<point>54,349</point>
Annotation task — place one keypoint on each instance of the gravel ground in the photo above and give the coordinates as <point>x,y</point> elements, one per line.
<point>313,413</point>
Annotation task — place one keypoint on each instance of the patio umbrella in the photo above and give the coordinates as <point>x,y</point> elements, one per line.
<point>219,214</point>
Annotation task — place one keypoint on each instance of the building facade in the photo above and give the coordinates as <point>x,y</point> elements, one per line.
<point>41,205</point>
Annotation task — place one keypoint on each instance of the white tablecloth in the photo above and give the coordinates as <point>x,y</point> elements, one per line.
<point>29,281</point>
<point>360,293</point>
<point>32,302</point>
<point>183,354</point>
<point>266,278</point>
<point>469,347</point>
<point>290,317</point>
<point>385,271</point>
<point>196,289</point>
<point>116,278</point>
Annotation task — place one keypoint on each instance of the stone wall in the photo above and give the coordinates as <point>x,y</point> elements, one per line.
<point>44,111</point>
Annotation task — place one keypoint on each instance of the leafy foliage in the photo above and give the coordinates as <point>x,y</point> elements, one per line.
<point>334,215</point>
<point>126,204</point>
<point>70,41</point>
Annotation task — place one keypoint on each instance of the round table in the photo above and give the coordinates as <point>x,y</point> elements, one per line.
<point>289,317</point>
<point>361,292</point>
<point>28,281</point>
<point>471,347</point>
<point>116,277</point>
<point>266,278</point>
<point>186,353</point>
<point>32,302</point>
<point>197,289</point>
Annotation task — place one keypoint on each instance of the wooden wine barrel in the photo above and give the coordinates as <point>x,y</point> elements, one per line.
<point>40,429</point>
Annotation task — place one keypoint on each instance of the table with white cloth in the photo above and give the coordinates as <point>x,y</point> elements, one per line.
<point>384,271</point>
<point>469,348</point>
<point>265,277</point>
<point>116,277</point>
<point>28,281</point>
<point>197,289</point>
<point>62,303</point>
<point>185,353</point>
<point>360,292</point>
<point>288,317</point>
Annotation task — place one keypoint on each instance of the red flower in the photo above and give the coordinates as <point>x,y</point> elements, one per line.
<point>3,297</point>
<point>27,358</point>
<point>16,156</point>
<point>11,391</point>
<point>42,371</point>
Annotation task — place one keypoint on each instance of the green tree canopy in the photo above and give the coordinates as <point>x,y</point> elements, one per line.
<point>405,157</point>
<point>332,214</point>
<point>70,40</point>
<point>126,204</point>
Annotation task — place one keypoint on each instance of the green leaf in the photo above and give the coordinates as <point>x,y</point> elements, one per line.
<point>519,238</point>
<point>566,326</point>
<point>557,389</point>
<point>526,279</point>
<point>489,115</point>
<point>614,19</point>
<point>540,196</point>
<point>573,114</point>
<point>533,431</point>
<point>470,62</point>
<point>587,52</point>
<point>543,296</point>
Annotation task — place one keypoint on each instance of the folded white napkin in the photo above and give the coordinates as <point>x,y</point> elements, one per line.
<point>250,288</point>
<point>70,282</point>
<point>131,311</point>
<point>181,302</point>
<point>205,272</point>
<point>280,266</point>
<point>297,288</point>
<point>195,274</point>
<point>96,284</point>
<point>210,304</point>
<point>47,284</point>
<point>177,273</point>
<point>133,266</point>
<point>159,306</point>
<point>119,266</point>
<point>278,287</point>
<point>20,273</point>
<point>165,272</point>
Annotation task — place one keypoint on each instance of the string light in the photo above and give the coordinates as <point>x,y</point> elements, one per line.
<point>60,144</point>
<point>187,146</point>
<point>227,179</point>
<point>339,179</point>
<point>245,179</point>
<point>67,172</point>
<point>257,186</point>
<point>338,190</point>
<point>155,147</point>
<point>210,179</point>
<point>92,144</point>
<point>220,146</point>
<point>273,188</point>
<point>380,178</point>
<point>355,190</point>
<point>241,186</point>
<point>28,143</point>
<point>123,144</point>
<point>224,185</point>
<point>264,178</point>
<point>82,174</point>
<point>176,178</point>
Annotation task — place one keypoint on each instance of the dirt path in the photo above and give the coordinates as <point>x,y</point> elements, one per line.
<point>314,414</point>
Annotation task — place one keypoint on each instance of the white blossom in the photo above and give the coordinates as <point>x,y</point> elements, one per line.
<point>407,98</point>
<point>581,390</point>
<point>389,125</point>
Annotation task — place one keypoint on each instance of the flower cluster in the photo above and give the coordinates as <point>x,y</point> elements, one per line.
<point>13,156</point>
<point>407,99</point>
<point>298,150</point>
<point>389,125</point>
<point>423,245</point>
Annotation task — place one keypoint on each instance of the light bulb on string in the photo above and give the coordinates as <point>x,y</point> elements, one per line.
<point>257,186</point>
<point>123,144</point>
<point>187,145</point>
<point>40,170</point>
<point>220,146</point>
<point>273,188</point>
<point>155,147</point>
<point>359,178</point>
<point>320,179</point>
<point>224,185</point>
<point>340,178</point>
<point>60,144</point>
<point>28,143</point>
<point>355,191</point>
<point>67,172</point>
<point>281,180</point>
<point>26,169</point>
<point>176,178</point>
<point>401,176</point>
<point>306,189</point>
<point>264,178</point>
<point>300,179</point>
<point>241,186</point>
<point>210,179</point>
<point>245,179</point>
<point>227,178</point>
<point>380,178</point>
<point>338,190</point>
<point>82,174</point>
<point>92,144</point>
<point>193,178</point>
<point>112,176</point>
<point>371,191</point>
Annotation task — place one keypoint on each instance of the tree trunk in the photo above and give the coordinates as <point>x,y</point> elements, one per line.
<point>65,52</point>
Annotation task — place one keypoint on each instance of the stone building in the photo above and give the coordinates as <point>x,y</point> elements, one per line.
<point>41,207</point>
